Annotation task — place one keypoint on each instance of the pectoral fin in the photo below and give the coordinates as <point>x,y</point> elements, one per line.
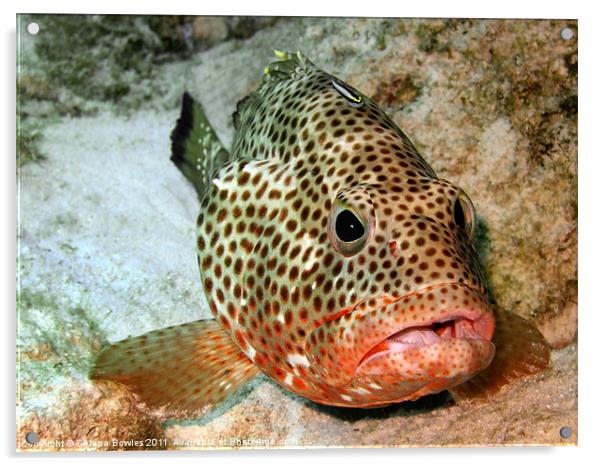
<point>183,368</point>
<point>521,350</point>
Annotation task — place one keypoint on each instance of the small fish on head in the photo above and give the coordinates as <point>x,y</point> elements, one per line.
<point>333,260</point>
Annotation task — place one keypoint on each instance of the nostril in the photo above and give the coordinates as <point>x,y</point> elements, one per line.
<point>394,248</point>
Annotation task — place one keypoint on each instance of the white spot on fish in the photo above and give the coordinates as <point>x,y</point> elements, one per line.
<point>251,353</point>
<point>280,318</point>
<point>375,386</point>
<point>288,379</point>
<point>297,360</point>
<point>360,391</point>
<point>306,242</point>
<point>313,286</point>
<point>312,259</point>
<point>346,398</point>
<point>217,182</point>
<point>250,168</point>
<point>311,262</point>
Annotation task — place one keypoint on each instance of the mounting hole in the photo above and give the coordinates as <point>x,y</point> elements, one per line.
<point>566,33</point>
<point>566,432</point>
<point>32,438</point>
<point>33,28</point>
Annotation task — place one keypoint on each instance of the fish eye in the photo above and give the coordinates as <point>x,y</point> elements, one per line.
<point>352,97</point>
<point>348,230</point>
<point>464,214</point>
<point>348,227</point>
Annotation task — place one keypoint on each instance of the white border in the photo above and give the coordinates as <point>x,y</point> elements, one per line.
<point>590,228</point>
<point>441,8</point>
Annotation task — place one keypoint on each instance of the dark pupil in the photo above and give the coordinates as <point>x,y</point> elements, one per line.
<point>348,227</point>
<point>459,214</point>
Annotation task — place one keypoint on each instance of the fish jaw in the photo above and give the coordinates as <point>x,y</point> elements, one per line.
<point>428,357</point>
<point>437,336</point>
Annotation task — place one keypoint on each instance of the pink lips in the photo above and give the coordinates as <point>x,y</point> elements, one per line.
<point>451,327</point>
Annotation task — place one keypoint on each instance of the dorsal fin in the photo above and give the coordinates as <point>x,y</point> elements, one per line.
<point>287,65</point>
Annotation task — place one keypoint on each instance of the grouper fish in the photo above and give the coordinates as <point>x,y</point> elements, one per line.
<point>332,258</point>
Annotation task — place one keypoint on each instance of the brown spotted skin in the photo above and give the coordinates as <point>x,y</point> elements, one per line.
<point>313,318</point>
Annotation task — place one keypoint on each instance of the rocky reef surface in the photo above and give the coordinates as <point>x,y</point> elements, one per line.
<point>106,222</point>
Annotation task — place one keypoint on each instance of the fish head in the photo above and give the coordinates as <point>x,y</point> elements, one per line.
<point>421,321</point>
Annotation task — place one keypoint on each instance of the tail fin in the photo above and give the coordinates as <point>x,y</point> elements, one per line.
<point>183,368</point>
<point>521,350</point>
<point>195,148</point>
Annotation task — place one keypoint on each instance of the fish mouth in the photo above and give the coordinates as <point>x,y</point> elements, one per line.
<point>461,325</point>
<point>441,331</point>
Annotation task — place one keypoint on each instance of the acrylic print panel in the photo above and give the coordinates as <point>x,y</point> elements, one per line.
<point>351,292</point>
